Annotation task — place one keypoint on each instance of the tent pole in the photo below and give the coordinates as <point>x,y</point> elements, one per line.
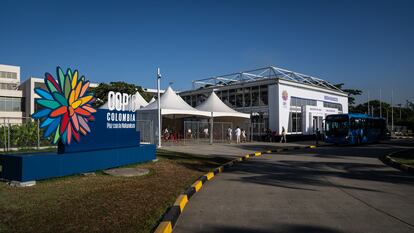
<point>211,128</point>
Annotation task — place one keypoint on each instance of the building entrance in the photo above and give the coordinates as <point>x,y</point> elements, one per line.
<point>317,123</point>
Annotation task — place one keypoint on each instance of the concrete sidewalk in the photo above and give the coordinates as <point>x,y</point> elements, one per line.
<point>233,150</point>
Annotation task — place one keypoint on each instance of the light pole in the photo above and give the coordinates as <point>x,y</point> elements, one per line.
<point>392,111</point>
<point>159,106</point>
<point>368,105</point>
<point>380,104</point>
<point>399,105</point>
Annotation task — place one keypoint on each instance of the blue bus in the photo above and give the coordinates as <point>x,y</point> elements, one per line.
<point>354,129</point>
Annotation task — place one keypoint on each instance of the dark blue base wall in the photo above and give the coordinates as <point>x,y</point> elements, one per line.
<point>38,166</point>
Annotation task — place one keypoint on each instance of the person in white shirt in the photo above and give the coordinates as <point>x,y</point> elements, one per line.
<point>238,134</point>
<point>229,134</point>
<point>189,134</point>
<point>244,139</point>
<point>205,132</point>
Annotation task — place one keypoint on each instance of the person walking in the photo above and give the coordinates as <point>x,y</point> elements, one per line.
<point>229,134</point>
<point>244,138</point>
<point>238,134</point>
<point>317,136</point>
<point>283,136</point>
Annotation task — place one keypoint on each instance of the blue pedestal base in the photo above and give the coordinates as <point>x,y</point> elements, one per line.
<point>38,166</point>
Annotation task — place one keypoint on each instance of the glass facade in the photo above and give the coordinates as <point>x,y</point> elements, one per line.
<point>10,104</point>
<point>295,122</point>
<point>299,102</point>
<point>236,98</point>
<point>333,105</point>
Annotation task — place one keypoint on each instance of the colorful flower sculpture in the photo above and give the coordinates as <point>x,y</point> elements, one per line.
<point>66,106</point>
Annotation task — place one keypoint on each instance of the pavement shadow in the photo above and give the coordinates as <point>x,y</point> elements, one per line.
<point>285,228</point>
<point>309,175</point>
<point>363,151</point>
<point>262,147</point>
<point>194,162</point>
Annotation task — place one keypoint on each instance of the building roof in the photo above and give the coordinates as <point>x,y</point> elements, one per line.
<point>265,73</point>
<point>214,105</point>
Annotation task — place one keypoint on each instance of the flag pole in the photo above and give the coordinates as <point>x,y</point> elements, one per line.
<point>368,111</point>
<point>380,104</point>
<point>392,111</point>
<point>159,106</point>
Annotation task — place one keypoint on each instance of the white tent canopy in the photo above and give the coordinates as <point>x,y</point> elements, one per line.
<point>217,108</point>
<point>173,104</point>
<point>138,101</point>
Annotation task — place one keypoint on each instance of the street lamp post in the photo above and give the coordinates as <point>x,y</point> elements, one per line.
<point>399,105</point>
<point>380,104</point>
<point>159,106</point>
<point>392,111</point>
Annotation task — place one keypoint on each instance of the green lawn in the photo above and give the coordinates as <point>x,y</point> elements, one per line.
<point>404,157</point>
<point>101,203</point>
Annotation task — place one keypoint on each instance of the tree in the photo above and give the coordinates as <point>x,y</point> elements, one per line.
<point>375,105</point>
<point>101,91</point>
<point>351,93</point>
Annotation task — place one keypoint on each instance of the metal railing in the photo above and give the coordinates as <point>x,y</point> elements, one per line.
<point>18,133</point>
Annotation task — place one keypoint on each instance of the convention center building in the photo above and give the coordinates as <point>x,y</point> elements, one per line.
<point>275,98</point>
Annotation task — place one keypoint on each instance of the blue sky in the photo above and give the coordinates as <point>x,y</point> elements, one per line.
<point>364,44</point>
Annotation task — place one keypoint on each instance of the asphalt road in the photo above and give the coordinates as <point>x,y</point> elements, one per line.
<point>329,189</point>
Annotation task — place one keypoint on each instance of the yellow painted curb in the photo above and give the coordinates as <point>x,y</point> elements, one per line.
<point>313,147</point>
<point>247,156</point>
<point>164,227</point>
<point>181,201</point>
<point>269,151</point>
<point>197,185</point>
<point>257,153</point>
<point>209,175</point>
<point>240,159</point>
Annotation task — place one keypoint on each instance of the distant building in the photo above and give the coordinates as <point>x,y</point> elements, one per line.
<point>17,100</point>
<point>11,98</point>
<point>275,98</point>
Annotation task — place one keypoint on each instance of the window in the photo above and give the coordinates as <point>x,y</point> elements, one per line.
<point>332,105</point>
<point>201,98</point>
<point>299,102</point>
<point>247,100</point>
<point>232,98</point>
<point>9,75</point>
<point>225,97</point>
<point>187,99</point>
<point>255,96</point>
<point>10,104</point>
<point>40,85</point>
<point>295,122</point>
<point>239,97</point>
<point>8,86</point>
<point>263,95</point>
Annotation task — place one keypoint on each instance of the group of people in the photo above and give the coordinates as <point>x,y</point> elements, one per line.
<point>169,134</point>
<point>240,135</point>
